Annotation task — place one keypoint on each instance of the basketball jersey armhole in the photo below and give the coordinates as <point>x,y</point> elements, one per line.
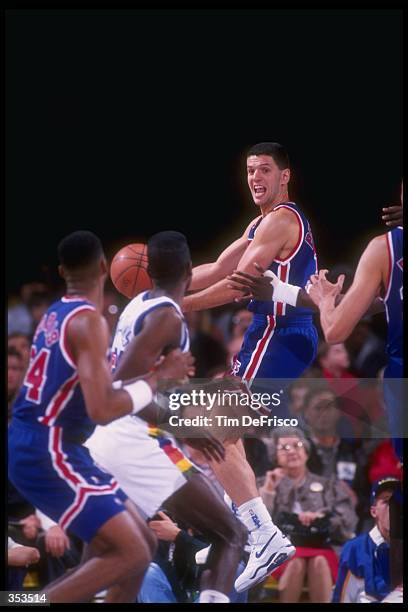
<point>300,237</point>
<point>63,337</point>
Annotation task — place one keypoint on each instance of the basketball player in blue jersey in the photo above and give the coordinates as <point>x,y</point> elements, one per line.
<point>282,340</point>
<point>380,271</point>
<point>150,469</point>
<point>66,391</point>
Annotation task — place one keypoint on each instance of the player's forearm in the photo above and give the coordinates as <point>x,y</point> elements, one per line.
<point>204,276</point>
<point>334,326</point>
<point>128,397</point>
<point>213,296</point>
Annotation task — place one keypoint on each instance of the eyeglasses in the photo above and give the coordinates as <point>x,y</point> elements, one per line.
<point>288,447</point>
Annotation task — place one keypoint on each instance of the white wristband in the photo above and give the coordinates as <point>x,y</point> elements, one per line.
<point>283,292</point>
<point>140,394</point>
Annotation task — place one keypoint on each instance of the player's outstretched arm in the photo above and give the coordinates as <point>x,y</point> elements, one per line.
<point>87,341</point>
<point>269,239</point>
<point>372,272</point>
<point>209,274</point>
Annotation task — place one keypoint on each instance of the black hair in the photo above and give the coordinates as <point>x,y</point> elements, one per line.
<point>79,249</point>
<point>274,150</point>
<point>18,334</point>
<point>169,257</point>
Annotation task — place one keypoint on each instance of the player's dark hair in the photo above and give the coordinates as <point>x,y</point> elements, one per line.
<point>169,257</point>
<point>79,249</point>
<point>274,150</point>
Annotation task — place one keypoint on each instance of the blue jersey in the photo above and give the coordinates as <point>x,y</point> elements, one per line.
<point>50,394</point>
<point>393,295</point>
<point>295,269</point>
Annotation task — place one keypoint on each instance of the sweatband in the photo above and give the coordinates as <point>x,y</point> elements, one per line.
<point>140,394</point>
<point>283,292</point>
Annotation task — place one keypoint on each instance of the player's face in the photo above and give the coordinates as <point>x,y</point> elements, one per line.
<point>265,180</point>
<point>381,512</point>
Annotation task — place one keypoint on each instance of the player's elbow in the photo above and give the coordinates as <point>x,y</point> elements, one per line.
<point>99,417</point>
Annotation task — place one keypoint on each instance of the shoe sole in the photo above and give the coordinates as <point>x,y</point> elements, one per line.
<point>271,566</point>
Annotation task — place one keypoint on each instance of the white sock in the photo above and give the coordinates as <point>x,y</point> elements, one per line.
<point>210,596</point>
<point>254,514</point>
<point>231,505</point>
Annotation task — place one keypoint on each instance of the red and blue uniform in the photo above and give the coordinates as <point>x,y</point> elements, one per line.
<point>393,373</point>
<point>282,339</point>
<point>47,462</point>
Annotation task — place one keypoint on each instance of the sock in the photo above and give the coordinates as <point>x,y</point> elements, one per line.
<point>231,505</point>
<point>254,514</point>
<point>210,596</point>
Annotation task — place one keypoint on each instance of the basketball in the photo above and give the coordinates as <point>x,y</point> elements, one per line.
<point>128,270</point>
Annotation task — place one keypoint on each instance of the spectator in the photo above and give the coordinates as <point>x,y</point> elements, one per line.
<point>334,361</point>
<point>19,558</point>
<point>240,322</point>
<point>331,454</point>
<point>364,574</point>
<point>15,375</point>
<point>209,353</point>
<point>383,461</point>
<point>22,344</point>
<point>366,349</point>
<point>24,316</point>
<point>174,576</point>
<point>314,511</point>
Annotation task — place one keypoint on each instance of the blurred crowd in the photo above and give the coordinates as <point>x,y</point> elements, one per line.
<point>320,481</point>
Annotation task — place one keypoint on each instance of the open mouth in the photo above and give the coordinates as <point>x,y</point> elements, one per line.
<point>259,191</point>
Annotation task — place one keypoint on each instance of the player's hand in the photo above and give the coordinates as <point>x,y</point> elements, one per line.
<point>210,447</point>
<point>272,479</point>
<point>253,287</point>
<point>56,541</point>
<point>307,518</point>
<point>22,556</point>
<point>165,529</point>
<point>31,524</point>
<point>176,367</point>
<point>320,288</point>
<point>393,216</point>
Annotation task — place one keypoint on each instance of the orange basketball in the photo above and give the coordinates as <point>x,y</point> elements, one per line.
<point>128,270</point>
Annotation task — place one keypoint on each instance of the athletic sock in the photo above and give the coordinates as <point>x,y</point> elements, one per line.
<point>210,596</point>
<point>231,505</point>
<point>255,515</point>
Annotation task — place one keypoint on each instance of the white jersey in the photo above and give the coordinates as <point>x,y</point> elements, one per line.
<point>131,322</point>
<point>146,461</point>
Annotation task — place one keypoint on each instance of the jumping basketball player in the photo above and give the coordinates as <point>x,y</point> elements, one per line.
<point>148,466</point>
<point>67,389</point>
<point>282,340</point>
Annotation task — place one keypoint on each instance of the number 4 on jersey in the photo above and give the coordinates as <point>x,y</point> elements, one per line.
<point>36,376</point>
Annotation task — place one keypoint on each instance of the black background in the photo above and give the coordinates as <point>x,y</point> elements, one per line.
<point>128,122</point>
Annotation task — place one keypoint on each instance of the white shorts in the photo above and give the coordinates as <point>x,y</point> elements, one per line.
<point>149,470</point>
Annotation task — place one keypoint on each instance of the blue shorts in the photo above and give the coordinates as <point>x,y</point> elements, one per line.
<point>271,349</point>
<point>60,478</point>
<point>394,402</point>
<point>275,352</point>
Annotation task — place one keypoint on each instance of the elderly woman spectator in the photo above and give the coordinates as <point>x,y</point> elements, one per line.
<point>314,511</point>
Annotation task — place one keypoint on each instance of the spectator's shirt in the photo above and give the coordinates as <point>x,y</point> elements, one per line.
<point>364,570</point>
